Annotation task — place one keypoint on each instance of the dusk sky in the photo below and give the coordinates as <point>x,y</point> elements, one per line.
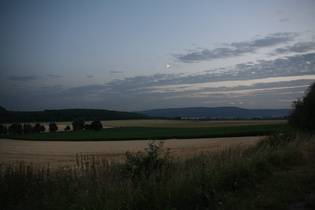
<point>139,55</point>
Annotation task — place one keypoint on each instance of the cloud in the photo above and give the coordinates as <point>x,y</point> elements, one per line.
<point>23,78</point>
<point>236,48</point>
<point>300,47</point>
<point>81,91</point>
<point>53,76</point>
<point>116,72</point>
<point>264,84</point>
<point>284,19</point>
<point>229,84</point>
<point>290,66</point>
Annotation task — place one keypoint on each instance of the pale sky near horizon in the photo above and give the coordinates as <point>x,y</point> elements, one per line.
<point>139,55</point>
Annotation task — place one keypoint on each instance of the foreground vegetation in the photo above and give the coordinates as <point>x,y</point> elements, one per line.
<point>139,133</point>
<point>277,173</point>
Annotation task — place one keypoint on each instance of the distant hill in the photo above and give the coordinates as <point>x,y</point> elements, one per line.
<point>217,112</point>
<point>66,115</point>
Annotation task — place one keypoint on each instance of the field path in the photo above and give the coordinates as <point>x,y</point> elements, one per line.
<point>58,153</point>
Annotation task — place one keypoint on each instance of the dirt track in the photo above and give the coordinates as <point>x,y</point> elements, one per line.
<point>58,153</point>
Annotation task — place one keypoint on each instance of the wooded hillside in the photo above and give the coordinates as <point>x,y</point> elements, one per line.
<point>66,115</point>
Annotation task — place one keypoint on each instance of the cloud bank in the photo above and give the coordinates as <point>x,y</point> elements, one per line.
<point>23,78</point>
<point>265,83</point>
<point>236,48</point>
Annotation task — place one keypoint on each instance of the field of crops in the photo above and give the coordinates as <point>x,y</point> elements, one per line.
<point>61,147</point>
<point>139,133</point>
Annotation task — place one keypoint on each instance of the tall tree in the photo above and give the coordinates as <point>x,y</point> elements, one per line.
<point>53,127</point>
<point>96,125</point>
<point>303,115</point>
<point>27,128</point>
<point>3,129</point>
<point>37,128</point>
<point>16,128</point>
<point>78,125</point>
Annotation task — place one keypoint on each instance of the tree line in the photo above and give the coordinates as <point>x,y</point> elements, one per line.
<point>17,128</point>
<point>63,115</point>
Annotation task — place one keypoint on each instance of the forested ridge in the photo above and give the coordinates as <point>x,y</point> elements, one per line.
<point>7,116</point>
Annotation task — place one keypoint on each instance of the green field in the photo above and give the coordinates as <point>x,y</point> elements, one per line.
<point>143,133</point>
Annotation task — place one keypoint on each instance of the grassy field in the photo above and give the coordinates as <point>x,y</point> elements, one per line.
<point>140,133</point>
<point>276,173</point>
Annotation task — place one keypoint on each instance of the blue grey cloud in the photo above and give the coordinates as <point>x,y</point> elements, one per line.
<point>284,19</point>
<point>23,78</point>
<point>142,92</point>
<point>236,48</point>
<point>116,72</point>
<point>300,47</point>
<point>53,76</point>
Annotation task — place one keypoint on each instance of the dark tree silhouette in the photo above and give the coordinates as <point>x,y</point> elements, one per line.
<point>303,115</point>
<point>87,127</point>
<point>27,128</point>
<point>16,128</point>
<point>3,129</point>
<point>96,125</point>
<point>67,128</point>
<point>78,125</point>
<point>42,128</point>
<point>53,127</point>
<point>36,128</point>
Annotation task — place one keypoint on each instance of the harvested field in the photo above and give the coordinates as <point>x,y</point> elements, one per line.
<point>58,153</point>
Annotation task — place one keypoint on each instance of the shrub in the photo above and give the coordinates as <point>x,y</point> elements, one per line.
<point>144,163</point>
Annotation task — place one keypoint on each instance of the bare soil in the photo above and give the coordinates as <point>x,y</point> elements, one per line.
<point>61,153</point>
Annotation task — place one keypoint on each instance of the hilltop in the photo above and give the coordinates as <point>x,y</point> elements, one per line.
<point>217,112</point>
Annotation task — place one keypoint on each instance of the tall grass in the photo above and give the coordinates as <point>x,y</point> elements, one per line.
<point>152,179</point>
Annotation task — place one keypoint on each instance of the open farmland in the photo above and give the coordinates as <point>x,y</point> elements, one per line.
<point>58,153</point>
<point>171,123</point>
<point>64,152</point>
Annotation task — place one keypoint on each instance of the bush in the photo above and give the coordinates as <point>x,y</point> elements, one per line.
<point>144,163</point>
